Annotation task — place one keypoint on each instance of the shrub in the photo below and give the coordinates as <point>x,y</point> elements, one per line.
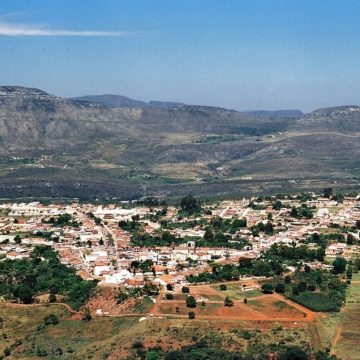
<point>191,315</point>
<point>267,288</point>
<point>223,287</point>
<point>228,302</point>
<point>280,288</point>
<point>169,296</point>
<point>317,301</point>
<point>51,320</point>
<point>185,290</point>
<point>190,302</point>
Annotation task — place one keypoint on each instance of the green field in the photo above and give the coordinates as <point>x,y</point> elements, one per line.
<point>347,346</point>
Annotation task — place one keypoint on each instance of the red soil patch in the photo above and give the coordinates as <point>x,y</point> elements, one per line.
<point>105,299</point>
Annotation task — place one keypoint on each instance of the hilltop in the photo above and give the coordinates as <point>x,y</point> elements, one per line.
<point>51,146</point>
<point>118,101</point>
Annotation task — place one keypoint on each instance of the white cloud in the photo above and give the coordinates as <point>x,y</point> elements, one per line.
<point>7,29</point>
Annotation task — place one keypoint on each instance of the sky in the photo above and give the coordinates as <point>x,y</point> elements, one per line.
<point>239,54</point>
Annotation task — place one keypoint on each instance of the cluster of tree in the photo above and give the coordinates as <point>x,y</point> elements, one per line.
<point>152,202</point>
<point>261,227</point>
<point>256,206</point>
<point>302,211</point>
<point>316,289</point>
<point>144,266</point>
<point>42,273</point>
<point>284,253</point>
<point>203,350</point>
<point>97,220</point>
<point>232,272</point>
<point>144,239</point>
<point>189,205</point>
<point>231,226</point>
<point>130,226</point>
<point>219,239</point>
<point>62,220</point>
<point>157,215</point>
<point>149,289</point>
<point>48,235</point>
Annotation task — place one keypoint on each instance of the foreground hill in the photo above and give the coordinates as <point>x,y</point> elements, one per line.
<point>56,147</point>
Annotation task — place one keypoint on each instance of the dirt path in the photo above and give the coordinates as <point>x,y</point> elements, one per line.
<point>337,335</point>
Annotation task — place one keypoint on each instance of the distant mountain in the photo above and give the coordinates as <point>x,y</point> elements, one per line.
<point>164,103</point>
<point>50,146</point>
<point>275,113</point>
<point>119,101</point>
<point>339,118</point>
<point>111,101</point>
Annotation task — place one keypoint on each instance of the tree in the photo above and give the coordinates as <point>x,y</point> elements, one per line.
<point>190,302</point>
<point>293,353</point>
<point>24,293</point>
<point>17,239</point>
<point>349,272</point>
<point>191,315</point>
<point>51,319</point>
<point>280,288</point>
<point>339,265</point>
<point>209,235</point>
<point>189,205</point>
<point>350,239</point>
<point>169,287</point>
<point>86,315</point>
<point>294,213</point>
<point>328,191</point>
<point>267,288</point>
<point>101,242</point>
<point>52,298</point>
<point>169,296</point>
<point>277,205</point>
<point>228,302</point>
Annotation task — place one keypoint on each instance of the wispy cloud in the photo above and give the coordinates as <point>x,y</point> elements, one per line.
<point>7,29</point>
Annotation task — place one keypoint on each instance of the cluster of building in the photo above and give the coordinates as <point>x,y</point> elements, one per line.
<point>95,245</point>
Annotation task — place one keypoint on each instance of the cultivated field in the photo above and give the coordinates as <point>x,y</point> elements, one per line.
<point>210,304</point>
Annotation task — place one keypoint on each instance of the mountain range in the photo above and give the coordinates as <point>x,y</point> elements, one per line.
<point>87,148</point>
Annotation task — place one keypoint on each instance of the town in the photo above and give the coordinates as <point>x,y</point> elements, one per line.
<point>103,242</point>
<point>284,260</point>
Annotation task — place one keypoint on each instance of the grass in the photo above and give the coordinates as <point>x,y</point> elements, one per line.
<point>107,337</point>
<point>280,305</point>
<point>348,345</point>
<point>316,301</point>
<point>235,292</point>
<point>143,306</point>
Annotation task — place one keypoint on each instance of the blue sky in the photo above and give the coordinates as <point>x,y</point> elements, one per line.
<point>241,54</point>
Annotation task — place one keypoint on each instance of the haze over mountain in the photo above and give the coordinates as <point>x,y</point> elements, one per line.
<point>275,113</point>
<point>52,146</point>
<point>117,101</point>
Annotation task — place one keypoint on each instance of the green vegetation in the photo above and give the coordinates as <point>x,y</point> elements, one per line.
<point>317,290</point>
<point>149,289</point>
<point>62,220</point>
<point>42,273</point>
<point>302,211</point>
